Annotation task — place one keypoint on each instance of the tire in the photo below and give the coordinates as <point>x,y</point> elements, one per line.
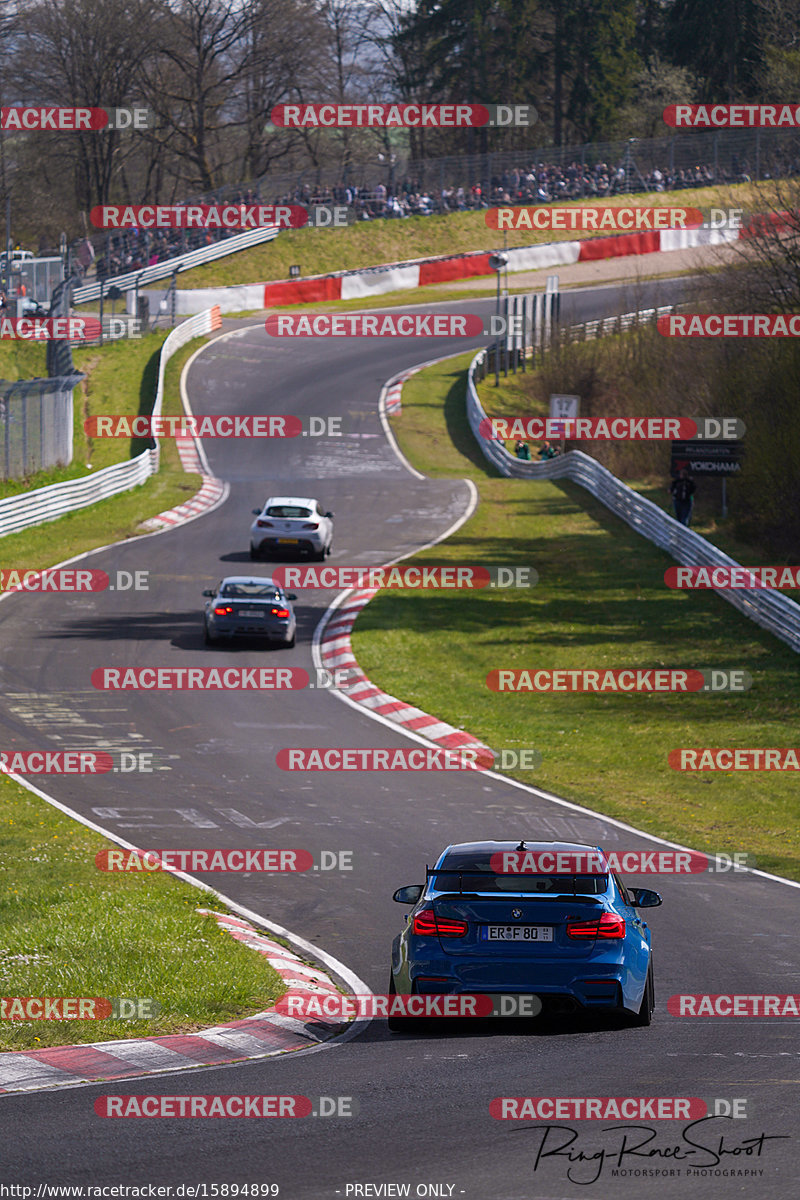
<point>645,1014</point>
<point>287,645</point>
<point>403,1024</point>
<point>329,549</point>
<point>319,556</point>
<point>254,555</point>
<point>207,638</point>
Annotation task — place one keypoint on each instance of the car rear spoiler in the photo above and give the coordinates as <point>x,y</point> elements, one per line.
<point>431,872</point>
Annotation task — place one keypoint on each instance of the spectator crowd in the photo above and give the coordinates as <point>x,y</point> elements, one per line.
<point>118,253</point>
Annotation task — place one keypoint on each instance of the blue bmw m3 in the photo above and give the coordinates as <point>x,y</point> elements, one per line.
<point>544,918</point>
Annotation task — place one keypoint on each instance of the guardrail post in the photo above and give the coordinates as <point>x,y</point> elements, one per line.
<point>7,434</point>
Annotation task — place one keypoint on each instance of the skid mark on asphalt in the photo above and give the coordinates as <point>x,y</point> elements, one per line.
<point>57,716</point>
<point>144,816</point>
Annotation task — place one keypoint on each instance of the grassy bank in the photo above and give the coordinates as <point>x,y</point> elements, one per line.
<point>117,383</point>
<point>600,602</point>
<point>70,929</point>
<point>320,251</point>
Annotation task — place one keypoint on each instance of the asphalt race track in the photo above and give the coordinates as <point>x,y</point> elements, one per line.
<point>422,1100</point>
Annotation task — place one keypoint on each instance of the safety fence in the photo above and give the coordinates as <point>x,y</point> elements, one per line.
<point>35,424</point>
<point>49,503</point>
<point>590,170</point>
<point>770,609</point>
<point>399,186</point>
<point>133,280</point>
<point>36,414</point>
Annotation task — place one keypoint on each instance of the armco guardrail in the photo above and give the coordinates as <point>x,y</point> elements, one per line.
<point>49,503</point>
<point>769,609</point>
<point>183,262</point>
<point>599,328</point>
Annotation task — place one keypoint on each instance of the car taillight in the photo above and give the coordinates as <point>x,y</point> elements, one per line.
<point>279,612</point>
<point>222,610</point>
<point>264,524</point>
<point>429,925</point>
<point>609,926</point>
<point>311,525</point>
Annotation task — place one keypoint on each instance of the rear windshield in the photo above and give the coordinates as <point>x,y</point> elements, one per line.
<point>287,510</point>
<point>450,880</point>
<point>250,591</point>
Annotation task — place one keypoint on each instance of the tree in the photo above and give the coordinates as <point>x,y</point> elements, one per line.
<point>657,85</point>
<point>723,47</point>
<point>73,53</point>
<point>603,63</point>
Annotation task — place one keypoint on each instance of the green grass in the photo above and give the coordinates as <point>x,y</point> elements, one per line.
<point>600,602</point>
<point>69,929</point>
<point>121,378</point>
<point>129,391</point>
<point>22,360</point>
<point>321,251</point>
<point>512,397</point>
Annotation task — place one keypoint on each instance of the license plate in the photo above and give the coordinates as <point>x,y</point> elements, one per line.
<point>251,612</point>
<point>516,933</point>
<point>288,541</point>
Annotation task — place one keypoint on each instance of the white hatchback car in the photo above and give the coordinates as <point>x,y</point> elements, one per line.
<point>291,524</point>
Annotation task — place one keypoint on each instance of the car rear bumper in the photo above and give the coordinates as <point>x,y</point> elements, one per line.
<point>301,546</point>
<point>275,633</point>
<point>562,987</point>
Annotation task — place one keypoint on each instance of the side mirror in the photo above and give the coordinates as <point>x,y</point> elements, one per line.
<point>291,595</point>
<point>209,592</point>
<point>644,898</point>
<point>329,514</point>
<point>410,894</point>
<point>256,512</point>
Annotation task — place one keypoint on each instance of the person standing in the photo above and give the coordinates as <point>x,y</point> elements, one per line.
<point>682,490</point>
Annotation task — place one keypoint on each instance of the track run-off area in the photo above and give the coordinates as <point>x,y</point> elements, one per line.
<point>420,1101</point>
